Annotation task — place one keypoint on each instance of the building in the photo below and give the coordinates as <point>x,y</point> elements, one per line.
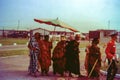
<point>103,35</point>
<point>14,33</point>
<point>40,30</point>
<point>56,34</point>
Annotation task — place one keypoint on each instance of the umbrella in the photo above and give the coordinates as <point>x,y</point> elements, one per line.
<point>56,23</point>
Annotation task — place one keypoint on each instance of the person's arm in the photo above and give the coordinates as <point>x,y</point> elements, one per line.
<point>30,46</point>
<point>115,58</point>
<point>86,57</point>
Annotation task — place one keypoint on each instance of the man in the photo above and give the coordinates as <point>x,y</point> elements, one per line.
<point>72,56</point>
<point>45,55</point>
<point>93,59</point>
<point>111,56</point>
<point>58,57</point>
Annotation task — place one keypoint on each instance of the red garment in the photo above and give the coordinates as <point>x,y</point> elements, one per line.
<point>48,47</point>
<point>111,49</point>
<point>45,55</point>
<point>58,57</point>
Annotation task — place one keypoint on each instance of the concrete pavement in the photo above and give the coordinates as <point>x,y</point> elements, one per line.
<point>15,68</point>
<point>13,47</point>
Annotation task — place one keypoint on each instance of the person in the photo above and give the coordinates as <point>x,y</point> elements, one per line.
<point>34,51</point>
<point>93,60</point>
<point>48,45</point>
<point>59,57</point>
<point>67,55</point>
<point>72,56</point>
<point>45,55</point>
<point>86,58</point>
<point>111,56</point>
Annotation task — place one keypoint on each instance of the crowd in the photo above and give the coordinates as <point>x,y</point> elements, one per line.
<point>65,56</point>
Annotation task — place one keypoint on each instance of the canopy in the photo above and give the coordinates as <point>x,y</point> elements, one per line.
<point>56,23</point>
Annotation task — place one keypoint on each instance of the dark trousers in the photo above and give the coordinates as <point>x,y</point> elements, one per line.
<point>112,70</point>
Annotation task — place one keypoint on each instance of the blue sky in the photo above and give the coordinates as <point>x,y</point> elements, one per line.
<point>84,15</point>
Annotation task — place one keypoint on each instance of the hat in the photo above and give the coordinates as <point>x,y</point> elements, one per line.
<point>114,34</point>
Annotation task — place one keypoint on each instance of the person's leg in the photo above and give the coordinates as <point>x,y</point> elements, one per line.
<point>109,70</point>
<point>46,71</point>
<point>114,70</point>
<point>54,68</point>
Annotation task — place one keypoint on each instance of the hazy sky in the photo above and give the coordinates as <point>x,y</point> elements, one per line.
<point>84,15</point>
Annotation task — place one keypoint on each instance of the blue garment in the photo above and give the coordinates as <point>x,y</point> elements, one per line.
<point>33,65</point>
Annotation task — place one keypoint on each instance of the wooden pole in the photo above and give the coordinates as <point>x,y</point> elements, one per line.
<point>93,68</point>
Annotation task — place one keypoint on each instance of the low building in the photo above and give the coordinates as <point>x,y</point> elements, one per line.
<point>56,34</point>
<point>14,33</point>
<point>103,35</point>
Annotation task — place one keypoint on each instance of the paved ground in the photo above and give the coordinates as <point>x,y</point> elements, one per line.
<point>13,47</point>
<point>15,68</point>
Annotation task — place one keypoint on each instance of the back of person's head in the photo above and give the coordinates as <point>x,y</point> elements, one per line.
<point>63,38</point>
<point>95,41</point>
<point>46,37</point>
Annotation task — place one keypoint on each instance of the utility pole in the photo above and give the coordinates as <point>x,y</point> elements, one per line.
<point>18,25</point>
<point>3,33</point>
<point>109,24</point>
<point>17,29</point>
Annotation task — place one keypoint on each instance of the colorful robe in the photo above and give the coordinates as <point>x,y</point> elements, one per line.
<point>33,65</point>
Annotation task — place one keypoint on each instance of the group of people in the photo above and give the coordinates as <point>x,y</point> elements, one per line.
<point>93,58</point>
<point>65,56</point>
<point>40,54</point>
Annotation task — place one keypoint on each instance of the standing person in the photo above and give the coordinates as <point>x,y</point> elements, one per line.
<point>111,56</point>
<point>72,56</point>
<point>59,57</point>
<point>68,55</point>
<point>45,55</point>
<point>93,59</point>
<point>48,50</point>
<point>34,51</point>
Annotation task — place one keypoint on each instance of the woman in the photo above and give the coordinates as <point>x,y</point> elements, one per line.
<point>59,57</point>
<point>34,51</point>
<point>93,59</point>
